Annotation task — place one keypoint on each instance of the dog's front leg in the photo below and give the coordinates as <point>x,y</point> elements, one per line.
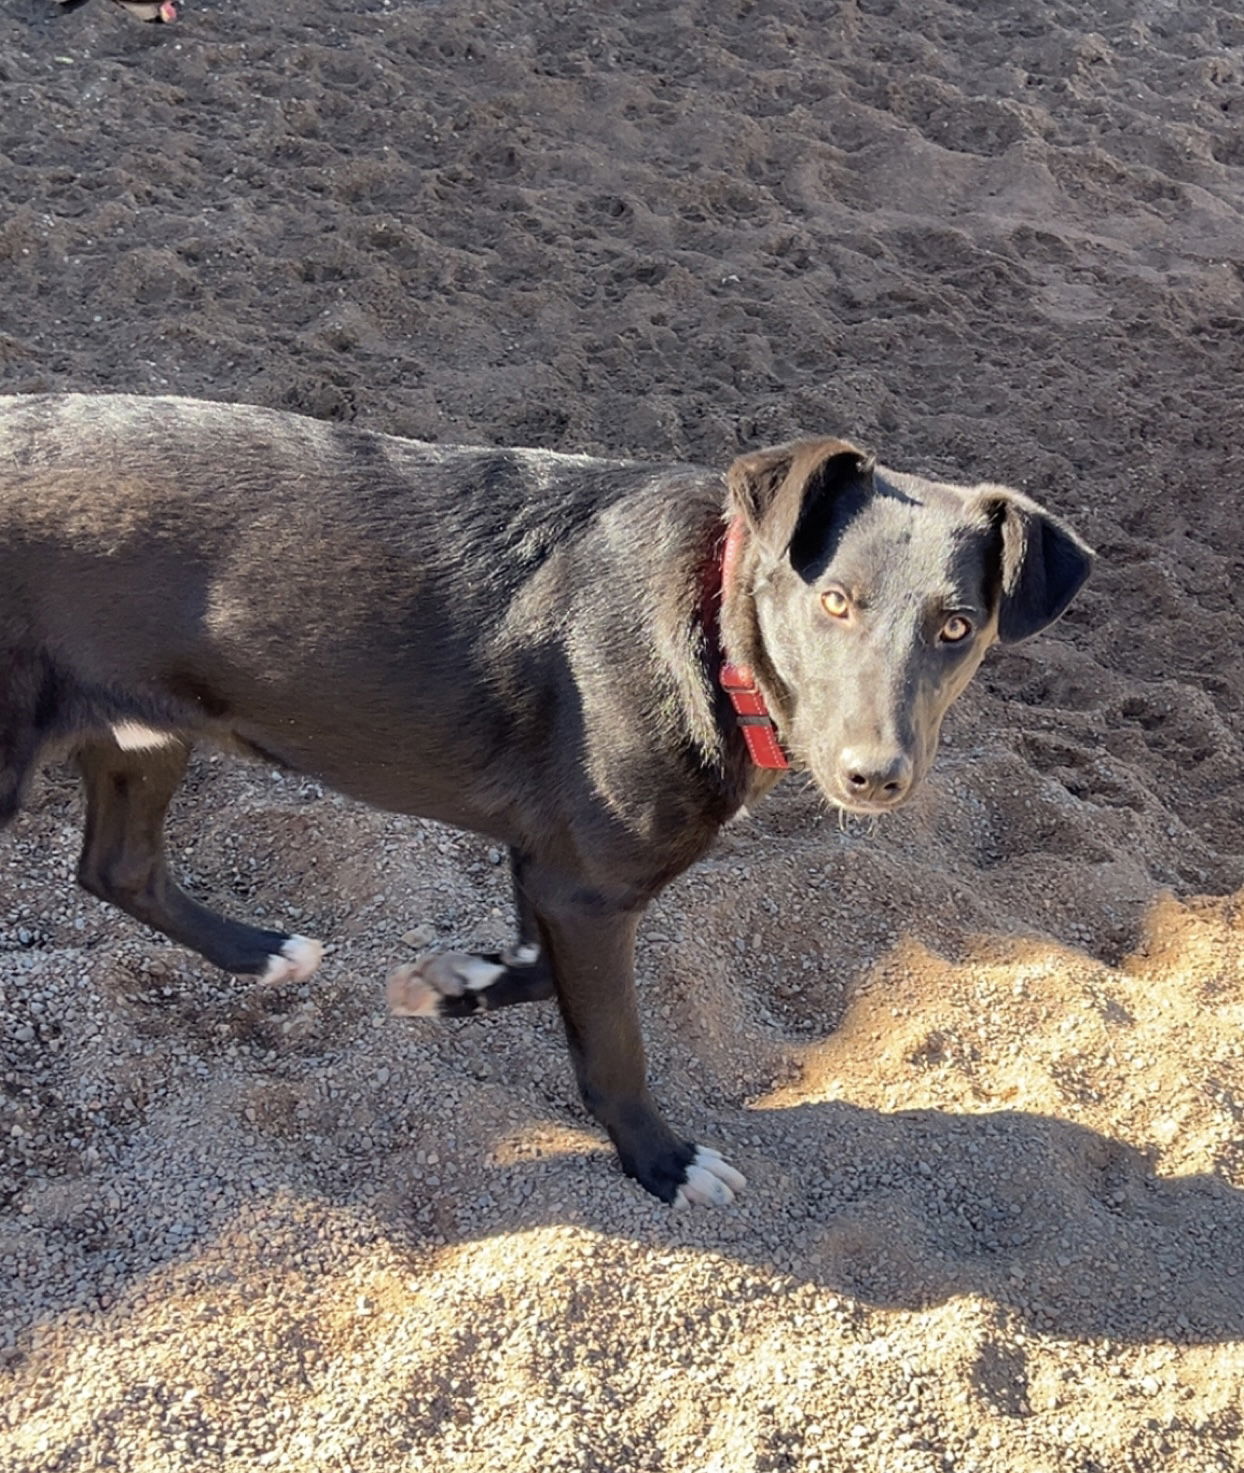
<point>457,984</point>
<point>591,950</point>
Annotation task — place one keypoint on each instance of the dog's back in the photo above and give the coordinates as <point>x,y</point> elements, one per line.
<point>209,570</point>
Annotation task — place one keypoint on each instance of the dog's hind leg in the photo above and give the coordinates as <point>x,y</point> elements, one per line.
<point>19,748</point>
<point>455,984</point>
<point>123,861</point>
<point>15,768</point>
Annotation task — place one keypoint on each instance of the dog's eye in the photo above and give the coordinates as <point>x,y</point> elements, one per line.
<point>835,603</point>
<point>955,629</point>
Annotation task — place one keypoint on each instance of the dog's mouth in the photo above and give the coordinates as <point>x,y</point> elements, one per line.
<point>861,806</point>
<point>864,808</point>
<point>859,790</point>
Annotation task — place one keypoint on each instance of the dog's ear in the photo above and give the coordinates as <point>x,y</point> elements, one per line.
<point>785,494</point>
<point>1043,564</point>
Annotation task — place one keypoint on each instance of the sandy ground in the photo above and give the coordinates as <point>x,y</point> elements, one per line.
<point>984,1068</point>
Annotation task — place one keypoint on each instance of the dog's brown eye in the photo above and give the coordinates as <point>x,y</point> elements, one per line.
<point>955,629</point>
<point>835,603</point>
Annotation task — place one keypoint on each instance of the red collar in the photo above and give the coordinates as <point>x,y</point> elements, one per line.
<point>738,681</point>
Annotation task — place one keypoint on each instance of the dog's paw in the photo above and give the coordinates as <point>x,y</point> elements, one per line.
<point>420,988</point>
<point>295,962</point>
<point>709,1181</point>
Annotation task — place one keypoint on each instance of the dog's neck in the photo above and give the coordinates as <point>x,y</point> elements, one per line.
<point>751,710</point>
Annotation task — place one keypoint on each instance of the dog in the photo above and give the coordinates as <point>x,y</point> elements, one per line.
<point>596,663</point>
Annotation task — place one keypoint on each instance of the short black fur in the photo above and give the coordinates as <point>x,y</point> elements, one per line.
<point>511,641</point>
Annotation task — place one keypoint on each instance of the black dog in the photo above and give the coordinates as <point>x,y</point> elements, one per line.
<point>567,654</point>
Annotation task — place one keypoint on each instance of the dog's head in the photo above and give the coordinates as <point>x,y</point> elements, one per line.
<point>874,596</point>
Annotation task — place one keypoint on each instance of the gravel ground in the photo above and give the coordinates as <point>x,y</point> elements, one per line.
<point>984,1068</point>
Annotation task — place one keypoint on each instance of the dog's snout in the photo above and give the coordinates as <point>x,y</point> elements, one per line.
<point>874,775</point>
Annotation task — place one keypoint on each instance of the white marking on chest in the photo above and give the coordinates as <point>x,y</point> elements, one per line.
<point>133,736</point>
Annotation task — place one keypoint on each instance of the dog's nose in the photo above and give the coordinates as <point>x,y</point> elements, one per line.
<point>874,776</point>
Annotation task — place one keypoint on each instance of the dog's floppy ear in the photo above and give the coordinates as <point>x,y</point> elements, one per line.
<point>785,493</point>
<point>1043,564</point>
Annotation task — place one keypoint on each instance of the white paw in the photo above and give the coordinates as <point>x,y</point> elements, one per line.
<point>415,990</point>
<point>526,955</point>
<point>298,959</point>
<point>710,1181</point>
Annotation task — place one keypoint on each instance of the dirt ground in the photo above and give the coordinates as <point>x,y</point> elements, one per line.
<point>984,1068</point>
